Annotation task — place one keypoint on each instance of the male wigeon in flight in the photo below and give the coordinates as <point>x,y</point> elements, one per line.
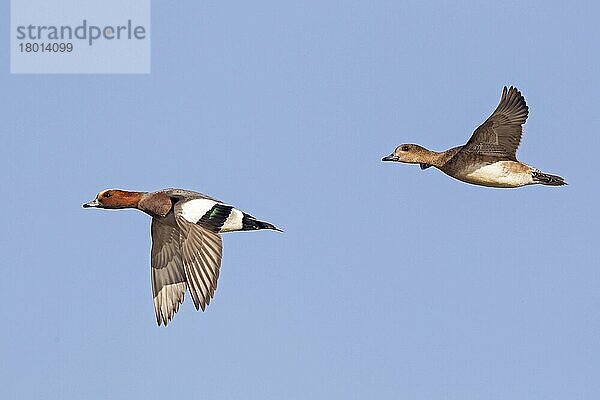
<point>489,157</point>
<point>186,245</point>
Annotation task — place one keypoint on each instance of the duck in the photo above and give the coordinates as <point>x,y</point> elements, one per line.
<point>186,241</point>
<point>489,157</point>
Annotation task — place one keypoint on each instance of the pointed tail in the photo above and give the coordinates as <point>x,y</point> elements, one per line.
<point>547,179</point>
<point>249,223</point>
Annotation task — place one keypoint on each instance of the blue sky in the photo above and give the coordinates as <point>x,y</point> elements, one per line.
<point>389,282</point>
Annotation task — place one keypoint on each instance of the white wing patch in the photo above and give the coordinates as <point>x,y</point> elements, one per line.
<point>193,210</point>
<point>233,222</point>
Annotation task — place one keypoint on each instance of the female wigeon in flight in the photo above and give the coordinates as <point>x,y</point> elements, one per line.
<point>489,157</point>
<point>186,245</point>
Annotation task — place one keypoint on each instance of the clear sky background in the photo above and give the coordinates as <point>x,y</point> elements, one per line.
<point>388,283</point>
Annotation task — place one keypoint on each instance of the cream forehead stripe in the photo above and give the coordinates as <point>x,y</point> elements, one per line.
<point>193,210</point>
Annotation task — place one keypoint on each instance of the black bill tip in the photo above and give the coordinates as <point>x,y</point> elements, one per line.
<point>93,203</point>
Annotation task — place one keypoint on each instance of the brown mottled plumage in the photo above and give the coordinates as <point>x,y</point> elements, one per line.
<point>489,157</point>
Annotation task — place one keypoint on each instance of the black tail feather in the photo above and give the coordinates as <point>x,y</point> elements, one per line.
<point>547,179</point>
<point>249,223</point>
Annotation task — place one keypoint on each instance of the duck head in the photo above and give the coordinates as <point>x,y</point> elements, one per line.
<point>115,198</point>
<point>414,154</point>
<point>409,153</point>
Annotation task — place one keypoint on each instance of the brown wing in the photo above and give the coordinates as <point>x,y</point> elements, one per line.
<point>168,275</point>
<point>501,133</point>
<point>201,251</point>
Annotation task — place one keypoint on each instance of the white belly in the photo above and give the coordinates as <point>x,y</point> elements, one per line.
<point>504,174</point>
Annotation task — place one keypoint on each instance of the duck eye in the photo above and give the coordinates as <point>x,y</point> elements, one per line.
<point>404,148</point>
<point>107,194</point>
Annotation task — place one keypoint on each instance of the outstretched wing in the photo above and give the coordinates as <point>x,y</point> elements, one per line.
<point>201,251</point>
<point>500,135</point>
<point>168,275</point>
